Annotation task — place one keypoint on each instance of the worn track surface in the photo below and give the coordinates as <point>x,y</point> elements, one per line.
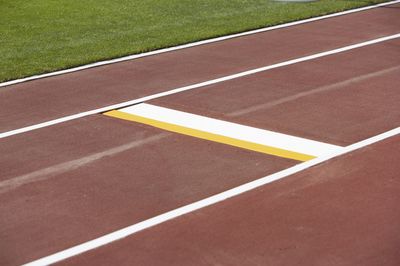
<point>72,182</point>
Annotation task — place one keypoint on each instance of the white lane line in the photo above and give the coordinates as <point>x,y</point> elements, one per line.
<point>127,231</point>
<point>231,130</point>
<point>170,49</point>
<point>197,85</point>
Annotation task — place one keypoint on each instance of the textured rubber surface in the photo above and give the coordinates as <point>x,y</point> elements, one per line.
<point>344,212</point>
<point>72,182</point>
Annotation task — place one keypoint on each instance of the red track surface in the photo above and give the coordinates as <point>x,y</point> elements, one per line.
<point>72,182</point>
<point>344,212</point>
<point>84,196</point>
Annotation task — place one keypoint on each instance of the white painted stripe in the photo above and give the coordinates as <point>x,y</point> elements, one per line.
<point>232,130</point>
<point>197,85</point>
<point>127,231</point>
<point>170,49</point>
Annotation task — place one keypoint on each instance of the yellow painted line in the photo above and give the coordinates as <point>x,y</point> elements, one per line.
<point>212,137</point>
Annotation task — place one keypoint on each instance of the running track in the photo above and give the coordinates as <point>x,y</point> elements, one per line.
<point>66,182</point>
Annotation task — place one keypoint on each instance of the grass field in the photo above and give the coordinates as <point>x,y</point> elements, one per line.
<point>39,36</point>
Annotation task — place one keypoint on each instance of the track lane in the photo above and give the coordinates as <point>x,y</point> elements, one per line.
<point>76,92</point>
<point>73,182</point>
<point>342,212</point>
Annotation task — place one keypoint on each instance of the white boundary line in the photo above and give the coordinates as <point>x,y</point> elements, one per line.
<point>170,49</point>
<point>127,231</point>
<point>197,85</point>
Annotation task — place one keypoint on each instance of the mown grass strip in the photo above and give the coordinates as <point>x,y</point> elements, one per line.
<point>40,36</point>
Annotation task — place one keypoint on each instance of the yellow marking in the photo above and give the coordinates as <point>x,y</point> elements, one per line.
<point>210,136</point>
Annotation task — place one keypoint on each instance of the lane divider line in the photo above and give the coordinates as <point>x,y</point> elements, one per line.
<point>135,228</point>
<point>193,44</point>
<point>194,86</point>
<point>216,130</point>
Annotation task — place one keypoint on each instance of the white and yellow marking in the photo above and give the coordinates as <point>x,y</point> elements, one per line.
<point>242,136</point>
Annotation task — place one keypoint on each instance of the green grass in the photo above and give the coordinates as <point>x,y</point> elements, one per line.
<point>39,36</point>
